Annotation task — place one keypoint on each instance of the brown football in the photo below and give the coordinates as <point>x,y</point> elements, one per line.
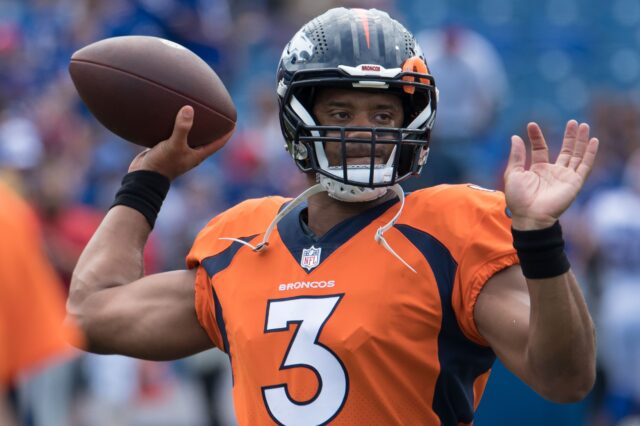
<point>135,85</point>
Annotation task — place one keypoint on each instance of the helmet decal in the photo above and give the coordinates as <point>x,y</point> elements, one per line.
<point>299,49</point>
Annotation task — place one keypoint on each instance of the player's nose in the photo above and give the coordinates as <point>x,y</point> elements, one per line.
<point>363,121</point>
<point>359,129</point>
<point>359,140</point>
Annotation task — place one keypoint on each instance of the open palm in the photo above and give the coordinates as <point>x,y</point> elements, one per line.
<point>538,196</point>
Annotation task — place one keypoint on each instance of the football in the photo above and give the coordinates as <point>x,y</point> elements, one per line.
<point>135,85</point>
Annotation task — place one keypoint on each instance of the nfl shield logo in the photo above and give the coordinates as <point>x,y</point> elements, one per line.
<point>310,257</point>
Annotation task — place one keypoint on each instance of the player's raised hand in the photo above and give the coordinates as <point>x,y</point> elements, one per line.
<point>174,157</point>
<point>539,195</point>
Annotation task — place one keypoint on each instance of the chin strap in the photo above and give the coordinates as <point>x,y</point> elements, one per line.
<point>350,193</point>
<point>379,237</point>
<point>315,189</point>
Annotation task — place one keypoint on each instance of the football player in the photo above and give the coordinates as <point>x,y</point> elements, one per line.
<point>355,303</point>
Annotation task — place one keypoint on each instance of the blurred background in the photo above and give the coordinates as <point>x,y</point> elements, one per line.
<point>498,64</point>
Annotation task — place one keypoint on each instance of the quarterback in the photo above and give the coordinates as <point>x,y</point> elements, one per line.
<point>355,303</point>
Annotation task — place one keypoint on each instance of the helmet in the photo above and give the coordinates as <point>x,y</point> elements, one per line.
<point>361,50</point>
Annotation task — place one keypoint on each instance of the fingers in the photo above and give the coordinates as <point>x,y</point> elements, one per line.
<point>568,143</point>
<point>173,156</point>
<point>578,151</point>
<point>517,155</point>
<point>580,147</point>
<point>574,144</point>
<point>182,126</point>
<point>589,158</point>
<point>539,149</point>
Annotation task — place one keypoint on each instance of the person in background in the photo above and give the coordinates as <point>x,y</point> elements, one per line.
<point>612,227</point>
<point>473,80</point>
<point>32,333</point>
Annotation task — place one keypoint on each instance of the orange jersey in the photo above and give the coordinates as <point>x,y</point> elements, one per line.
<point>31,299</point>
<point>336,329</point>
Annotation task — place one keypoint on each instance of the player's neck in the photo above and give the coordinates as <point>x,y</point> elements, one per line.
<point>325,212</point>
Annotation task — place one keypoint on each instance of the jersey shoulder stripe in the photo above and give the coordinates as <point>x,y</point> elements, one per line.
<point>461,360</point>
<point>451,212</point>
<point>249,218</point>
<point>474,226</point>
<point>213,265</point>
<point>210,255</point>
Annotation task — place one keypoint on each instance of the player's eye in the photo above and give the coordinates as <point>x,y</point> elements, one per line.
<point>383,118</point>
<point>339,115</point>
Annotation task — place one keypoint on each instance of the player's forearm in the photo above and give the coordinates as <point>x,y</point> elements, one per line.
<point>561,345</point>
<point>113,257</point>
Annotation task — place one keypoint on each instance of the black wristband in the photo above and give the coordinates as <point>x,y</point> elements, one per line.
<point>541,252</point>
<point>143,190</point>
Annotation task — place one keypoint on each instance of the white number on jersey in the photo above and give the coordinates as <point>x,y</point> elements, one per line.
<point>310,313</point>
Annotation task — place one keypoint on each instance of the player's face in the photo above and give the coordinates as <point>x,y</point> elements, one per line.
<point>356,108</point>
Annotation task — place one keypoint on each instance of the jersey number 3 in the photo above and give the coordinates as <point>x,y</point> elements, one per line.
<point>311,314</point>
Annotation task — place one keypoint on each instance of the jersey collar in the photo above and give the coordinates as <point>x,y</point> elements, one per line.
<point>296,238</point>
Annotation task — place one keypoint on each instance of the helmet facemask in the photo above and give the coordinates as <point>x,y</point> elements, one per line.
<point>405,147</point>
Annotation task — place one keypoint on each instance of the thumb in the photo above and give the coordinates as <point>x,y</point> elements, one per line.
<point>517,155</point>
<point>182,126</point>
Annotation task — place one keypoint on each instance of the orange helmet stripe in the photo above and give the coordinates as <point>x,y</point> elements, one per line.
<point>365,24</point>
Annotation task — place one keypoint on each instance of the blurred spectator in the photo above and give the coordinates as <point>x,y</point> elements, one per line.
<point>471,78</point>
<point>615,117</point>
<point>471,74</point>
<point>211,370</point>
<point>32,335</point>
<point>20,144</point>
<point>614,250</point>
<point>254,163</point>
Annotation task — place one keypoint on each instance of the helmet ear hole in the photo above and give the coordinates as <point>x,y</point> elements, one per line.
<point>300,152</point>
<point>306,96</point>
<point>405,162</point>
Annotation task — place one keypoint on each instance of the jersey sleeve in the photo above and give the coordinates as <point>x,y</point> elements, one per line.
<point>205,306</point>
<point>204,300</point>
<point>487,250</point>
<point>247,219</point>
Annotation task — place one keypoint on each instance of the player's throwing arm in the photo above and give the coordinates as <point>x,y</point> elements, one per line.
<point>135,86</point>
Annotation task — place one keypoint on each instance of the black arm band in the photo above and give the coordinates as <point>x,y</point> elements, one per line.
<point>143,190</point>
<point>541,252</point>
